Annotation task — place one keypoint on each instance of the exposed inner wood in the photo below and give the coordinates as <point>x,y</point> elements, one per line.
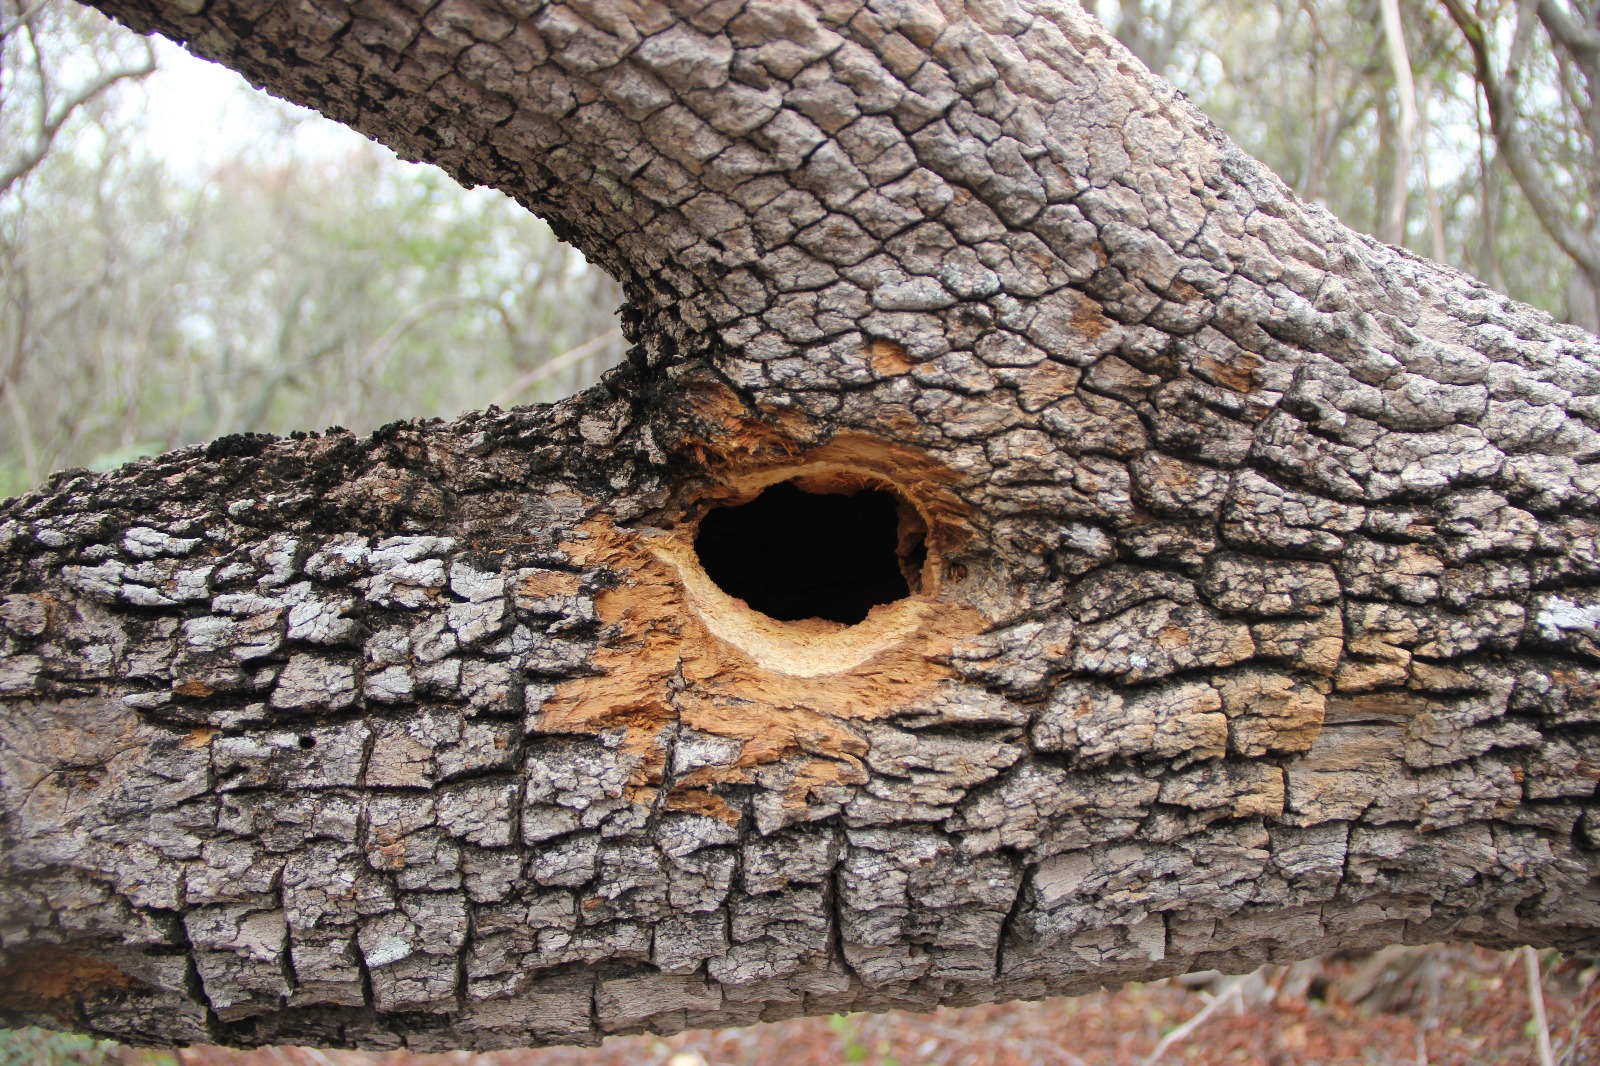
<point>690,654</point>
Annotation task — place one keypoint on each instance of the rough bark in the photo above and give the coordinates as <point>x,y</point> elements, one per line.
<point>1258,617</point>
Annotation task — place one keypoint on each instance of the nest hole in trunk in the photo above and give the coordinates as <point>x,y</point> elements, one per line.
<point>794,553</point>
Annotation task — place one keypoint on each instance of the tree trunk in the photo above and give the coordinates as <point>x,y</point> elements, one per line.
<point>1231,582</point>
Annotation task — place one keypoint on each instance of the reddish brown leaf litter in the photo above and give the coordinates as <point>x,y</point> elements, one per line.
<point>1442,1006</point>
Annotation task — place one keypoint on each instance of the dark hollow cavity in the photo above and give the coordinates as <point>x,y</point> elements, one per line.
<point>792,554</point>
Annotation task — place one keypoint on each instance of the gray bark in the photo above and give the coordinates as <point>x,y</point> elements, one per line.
<point>1259,615</point>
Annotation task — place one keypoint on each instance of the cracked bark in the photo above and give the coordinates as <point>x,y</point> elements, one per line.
<point>1258,615</point>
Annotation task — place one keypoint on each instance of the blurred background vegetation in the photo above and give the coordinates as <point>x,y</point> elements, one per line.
<point>1464,130</point>
<point>183,257</point>
<point>245,265</point>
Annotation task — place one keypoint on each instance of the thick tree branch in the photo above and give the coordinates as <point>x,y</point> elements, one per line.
<point>52,116</point>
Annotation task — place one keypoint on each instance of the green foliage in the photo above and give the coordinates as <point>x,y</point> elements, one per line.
<point>40,1047</point>
<point>845,1026</point>
<point>848,1028</point>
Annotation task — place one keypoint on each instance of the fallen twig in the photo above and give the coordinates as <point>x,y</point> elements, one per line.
<point>964,1038</point>
<point>1530,959</point>
<point>1576,1031</point>
<point>1231,992</point>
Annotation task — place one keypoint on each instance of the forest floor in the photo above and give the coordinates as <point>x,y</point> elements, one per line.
<point>1450,1006</point>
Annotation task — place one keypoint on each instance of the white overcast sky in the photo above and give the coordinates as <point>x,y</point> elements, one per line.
<point>200,114</point>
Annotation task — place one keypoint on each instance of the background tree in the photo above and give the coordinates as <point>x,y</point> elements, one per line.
<point>147,303</point>
<point>1543,105</point>
<point>1310,87</point>
<point>40,95</point>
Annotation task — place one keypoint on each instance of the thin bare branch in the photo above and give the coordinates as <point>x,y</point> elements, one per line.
<point>1572,34</point>
<point>1521,41</point>
<point>1429,189</point>
<point>45,135</point>
<point>24,17</point>
<point>555,364</point>
<point>1181,1033</point>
